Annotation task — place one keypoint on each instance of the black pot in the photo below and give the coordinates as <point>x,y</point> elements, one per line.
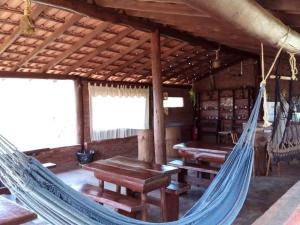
<point>85,157</point>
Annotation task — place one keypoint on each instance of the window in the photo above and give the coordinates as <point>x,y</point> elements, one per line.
<point>118,112</point>
<point>173,102</point>
<point>38,113</point>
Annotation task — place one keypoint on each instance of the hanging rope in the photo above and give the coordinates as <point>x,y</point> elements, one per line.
<point>26,23</point>
<point>293,65</point>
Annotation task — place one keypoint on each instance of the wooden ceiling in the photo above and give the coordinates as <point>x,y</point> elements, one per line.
<point>177,14</point>
<point>113,43</point>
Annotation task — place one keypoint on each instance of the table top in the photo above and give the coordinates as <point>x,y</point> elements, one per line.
<point>131,173</point>
<point>12,213</point>
<point>204,152</point>
<point>203,147</point>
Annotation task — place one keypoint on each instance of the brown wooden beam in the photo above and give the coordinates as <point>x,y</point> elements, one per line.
<point>158,112</point>
<point>167,8</point>
<point>101,27</point>
<point>31,75</point>
<point>169,74</point>
<point>128,63</point>
<point>12,74</point>
<point>223,67</point>
<point>280,5</point>
<point>68,23</point>
<point>164,55</point>
<point>80,98</point>
<point>120,55</point>
<point>101,48</point>
<point>117,17</point>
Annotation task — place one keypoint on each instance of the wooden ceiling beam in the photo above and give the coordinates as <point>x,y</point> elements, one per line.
<point>101,48</point>
<point>169,67</point>
<point>190,70</point>
<point>280,5</point>
<point>164,55</point>
<point>166,8</point>
<point>33,75</point>
<point>120,55</point>
<point>36,11</point>
<point>114,16</point>
<point>68,23</point>
<point>222,67</point>
<point>87,38</point>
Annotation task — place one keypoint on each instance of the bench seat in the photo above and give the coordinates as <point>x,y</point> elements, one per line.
<point>111,198</point>
<point>194,166</point>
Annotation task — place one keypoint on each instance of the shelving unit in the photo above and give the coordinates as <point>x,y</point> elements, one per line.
<point>223,110</point>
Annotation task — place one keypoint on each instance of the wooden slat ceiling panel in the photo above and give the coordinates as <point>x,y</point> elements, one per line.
<point>66,43</point>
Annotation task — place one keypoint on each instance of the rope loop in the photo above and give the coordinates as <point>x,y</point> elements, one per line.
<point>293,65</point>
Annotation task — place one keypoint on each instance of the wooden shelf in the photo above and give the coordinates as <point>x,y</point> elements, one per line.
<point>229,111</point>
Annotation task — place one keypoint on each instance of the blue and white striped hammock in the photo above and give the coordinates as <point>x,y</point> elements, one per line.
<point>59,204</point>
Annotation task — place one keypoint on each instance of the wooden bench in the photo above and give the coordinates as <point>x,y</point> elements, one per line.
<point>13,214</point>
<point>116,200</point>
<point>198,167</point>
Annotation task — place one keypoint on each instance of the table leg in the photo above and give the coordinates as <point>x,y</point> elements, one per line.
<point>101,185</point>
<point>118,189</point>
<point>163,204</point>
<point>182,175</point>
<point>144,202</point>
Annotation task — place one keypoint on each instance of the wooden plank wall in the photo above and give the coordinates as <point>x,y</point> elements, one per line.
<point>180,117</point>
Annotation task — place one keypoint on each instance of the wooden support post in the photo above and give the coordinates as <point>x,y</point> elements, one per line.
<point>86,112</point>
<point>80,122</point>
<point>158,112</point>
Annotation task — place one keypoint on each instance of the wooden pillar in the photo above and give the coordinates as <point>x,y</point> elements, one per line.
<point>86,112</point>
<point>158,112</point>
<point>80,123</point>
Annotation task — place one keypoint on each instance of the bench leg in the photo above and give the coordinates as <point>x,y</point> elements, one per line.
<point>163,204</point>
<point>173,209</point>
<point>144,202</point>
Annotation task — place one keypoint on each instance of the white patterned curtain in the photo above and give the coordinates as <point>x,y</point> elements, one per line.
<point>118,112</point>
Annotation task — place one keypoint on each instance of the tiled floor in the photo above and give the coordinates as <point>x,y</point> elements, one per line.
<point>263,192</point>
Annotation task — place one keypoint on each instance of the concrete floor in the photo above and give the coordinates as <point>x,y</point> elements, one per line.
<point>263,192</point>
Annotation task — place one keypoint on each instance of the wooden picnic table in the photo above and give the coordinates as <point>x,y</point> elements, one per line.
<point>204,152</point>
<point>135,175</point>
<point>13,214</point>
<point>203,158</point>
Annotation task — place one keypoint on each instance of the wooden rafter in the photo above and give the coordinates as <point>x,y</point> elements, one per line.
<point>68,23</point>
<point>14,36</point>
<point>135,59</point>
<point>281,5</point>
<point>164,55</point>
<point>100,28</point>
<point>184,57</point>
<point>167,8</point>
<point>223,67</point>
<point>101,48</point>
<point>113,16</point>
<point>122,53</point>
